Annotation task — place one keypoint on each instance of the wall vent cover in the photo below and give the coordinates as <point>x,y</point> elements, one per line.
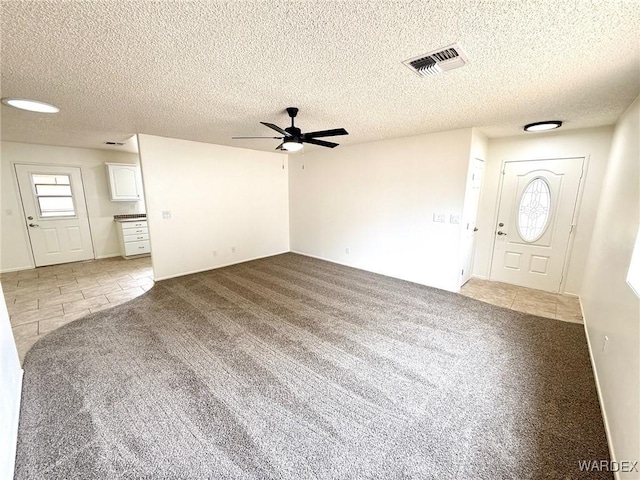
<point>438,61</point>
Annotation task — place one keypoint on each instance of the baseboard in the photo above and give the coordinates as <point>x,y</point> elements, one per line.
<point>31,267</point>
<point>167,277</point>
<point>7,470</point>
<point>616,475</point>
<point>111,255</point>
<point>373,271</point>
<point>17,269</point>
<point>479,277</point>
<point>333,261</point>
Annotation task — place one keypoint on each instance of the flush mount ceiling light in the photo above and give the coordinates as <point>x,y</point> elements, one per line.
<point>543,126</point>
<point>30,105</point>
<point>292,146</point>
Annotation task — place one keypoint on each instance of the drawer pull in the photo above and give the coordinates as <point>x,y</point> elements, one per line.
<point>141,247</point>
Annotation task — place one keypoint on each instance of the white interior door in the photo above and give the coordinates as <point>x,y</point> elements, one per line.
<point>55,213</point>
<point>469,217</point>
<point>535,221</point>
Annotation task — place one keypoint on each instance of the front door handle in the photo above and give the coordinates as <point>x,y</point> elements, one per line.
<point>33,225</point>
<point>501,233</point>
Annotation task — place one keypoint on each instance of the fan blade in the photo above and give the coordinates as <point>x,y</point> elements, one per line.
<point>276,128</point>
<point>277,138</point>
<point>327,133</point>
<point>279,147</point>
<point>322,143</point>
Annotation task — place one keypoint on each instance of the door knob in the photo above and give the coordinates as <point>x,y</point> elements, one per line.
<point>501,233</point>
<point>33,225</point>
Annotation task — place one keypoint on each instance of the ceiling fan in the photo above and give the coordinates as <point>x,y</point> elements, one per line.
<point>293,138</point>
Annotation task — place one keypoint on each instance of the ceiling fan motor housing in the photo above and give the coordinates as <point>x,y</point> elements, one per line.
<point>295,132</point>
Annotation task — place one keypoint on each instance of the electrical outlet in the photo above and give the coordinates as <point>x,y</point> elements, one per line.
<point>166,215</point>
<point>454,218</point>
<point>347,250</point>
<point>439,217</point>
<point>233,249</point>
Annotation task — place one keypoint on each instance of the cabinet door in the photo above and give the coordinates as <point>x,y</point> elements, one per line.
<point>124,182</point>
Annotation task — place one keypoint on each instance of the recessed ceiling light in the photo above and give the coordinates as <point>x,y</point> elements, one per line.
<point>30,105</point>
<point>542,126</point>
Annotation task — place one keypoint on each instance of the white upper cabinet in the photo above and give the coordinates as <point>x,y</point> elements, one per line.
<point>124,182</point>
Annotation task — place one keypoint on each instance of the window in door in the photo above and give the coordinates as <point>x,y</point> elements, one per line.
<point>534,211</point>
<point>54,196</point>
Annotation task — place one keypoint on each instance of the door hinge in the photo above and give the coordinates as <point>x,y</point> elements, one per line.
<point>463,271</point>
<point>573,226</point>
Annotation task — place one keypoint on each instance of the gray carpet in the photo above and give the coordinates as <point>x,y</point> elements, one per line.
<point>290,367</point>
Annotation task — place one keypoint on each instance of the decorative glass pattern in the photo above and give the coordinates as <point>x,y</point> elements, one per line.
<point>534,210</point>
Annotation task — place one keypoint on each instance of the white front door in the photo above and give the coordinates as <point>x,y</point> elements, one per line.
<point>469,217</point>
<point>535,220</point>
<point>55,213</point>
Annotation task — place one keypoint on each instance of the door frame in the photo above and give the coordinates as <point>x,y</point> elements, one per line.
<point>574,218</point>
<point>475,236</point>
<point>16,184</point>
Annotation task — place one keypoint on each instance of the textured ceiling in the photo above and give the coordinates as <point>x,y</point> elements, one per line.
<point>209,70</point>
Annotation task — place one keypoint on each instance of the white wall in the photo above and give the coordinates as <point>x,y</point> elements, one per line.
<point>378,200</point>
<point>10,389</point>
<point>219,197</point>
<point>593,143</point>
<point>610,306</point>
<point>15,252</point>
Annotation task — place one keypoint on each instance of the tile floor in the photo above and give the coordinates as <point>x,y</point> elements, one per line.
<point>43,299</point>
<point>528,300</point>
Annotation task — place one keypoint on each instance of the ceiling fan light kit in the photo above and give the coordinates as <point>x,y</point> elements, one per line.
<point>293,138</point>
<point>291,146</point>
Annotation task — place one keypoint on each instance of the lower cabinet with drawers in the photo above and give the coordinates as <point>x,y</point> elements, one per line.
<point>134,238</point>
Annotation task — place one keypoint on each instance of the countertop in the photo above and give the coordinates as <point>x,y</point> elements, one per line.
<point>129,218</point>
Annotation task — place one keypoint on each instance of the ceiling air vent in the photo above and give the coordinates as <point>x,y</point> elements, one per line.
<point>438,61</point>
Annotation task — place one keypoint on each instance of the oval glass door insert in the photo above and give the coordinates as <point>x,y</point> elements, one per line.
<point>534,210</point>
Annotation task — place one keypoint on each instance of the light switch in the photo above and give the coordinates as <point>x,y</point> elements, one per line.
<point>439,217</point>
<point>166,214</point>
<point>454,218</point>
